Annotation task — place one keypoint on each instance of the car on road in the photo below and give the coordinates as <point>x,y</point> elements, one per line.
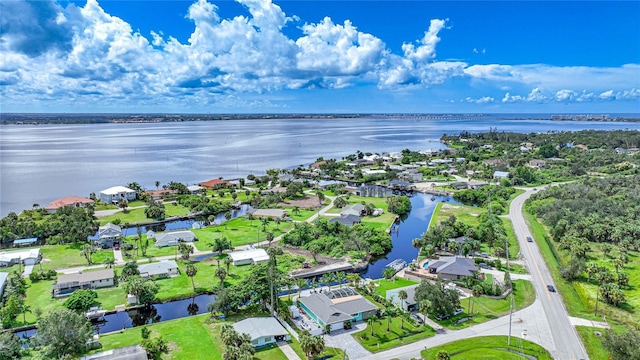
<point>484,266</point>
<point>529,239</point>
<point>551,288</point>
<point>483,255</point>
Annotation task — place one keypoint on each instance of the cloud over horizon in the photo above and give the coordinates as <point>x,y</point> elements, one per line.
<point>74,54</point>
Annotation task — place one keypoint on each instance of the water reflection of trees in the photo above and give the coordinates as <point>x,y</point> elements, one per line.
<point>193,308</point>
<point>142,316</point>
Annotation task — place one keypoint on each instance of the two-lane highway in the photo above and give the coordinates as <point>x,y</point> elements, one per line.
<point>566,343</point>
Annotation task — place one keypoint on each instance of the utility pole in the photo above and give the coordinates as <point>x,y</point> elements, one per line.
<point>511,288</point>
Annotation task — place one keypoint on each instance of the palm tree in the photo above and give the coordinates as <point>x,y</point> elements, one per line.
<point>326,279</point>
<point>227,216</point>
<point>321,198</point>
<point>24,309</point>
<point>300,283</point>
<point>425,305</point>
<point>370,321</point>
<point>87,252</point>
<point>388,311</point>
<point>269,238</point>
<point>221,274</point>
<point>340,277</point>
<point>354,279</point>
<point>475,291</point>
<point>250,217</point>
<point>388,273</point>
<point>157,184</point>
<point>443,355</point>
<point>264,222</point>
<point>278,221</point>
<point>227,262</point>
<point>402,295</point>
<point>296,210</point>
<point>191,271</point>
<point>109,262</point>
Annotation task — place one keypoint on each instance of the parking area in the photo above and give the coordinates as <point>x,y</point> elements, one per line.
<point>342,339</point>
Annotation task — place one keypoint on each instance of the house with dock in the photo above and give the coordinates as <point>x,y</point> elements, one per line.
<point>68,283</point>
<point>160,269</point>
<point>453,268</point>
<point>171,238</point>
<point>109,235</point>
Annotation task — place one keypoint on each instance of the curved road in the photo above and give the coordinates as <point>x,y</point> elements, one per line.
<point>545,322</point>
<point>565,340</point>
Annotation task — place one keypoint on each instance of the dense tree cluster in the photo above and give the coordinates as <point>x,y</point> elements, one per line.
<point>81,300</point>
<point>62,333</point>
<point>624,346</point>
<point>594,213</point>
<point>237,346</point>
<point>67,225</point>
<point>496,197</point>
<point>440,299</point>
<point>399,204</point>
<point>336,239</point>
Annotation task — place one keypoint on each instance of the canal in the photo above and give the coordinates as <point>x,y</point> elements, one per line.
<point>404,231</point>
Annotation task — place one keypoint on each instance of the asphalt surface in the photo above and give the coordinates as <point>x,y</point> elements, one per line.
<point>565,341</point>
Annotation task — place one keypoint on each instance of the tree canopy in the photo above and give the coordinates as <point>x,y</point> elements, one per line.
<point>63,333</point>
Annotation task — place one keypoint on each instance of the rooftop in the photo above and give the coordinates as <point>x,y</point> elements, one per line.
<point>69,200</point>
<point>255,254</point>
<point>158,268</point>
<point>83,277</point>
<point>258,327</point>
<point>116,190</point>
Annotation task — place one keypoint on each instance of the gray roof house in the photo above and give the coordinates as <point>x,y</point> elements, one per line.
<point>161,269</point>
<point>171,238</point>
<point>348,220</point>
<point>3,282</point>
<point>453,267</point>
<point>355,209</point>
<point>68,283</point>
<point>410,303</point>
<point>109,233</point>
<point>262,330</point>
<point>335,307</point>
<point>273,213</point>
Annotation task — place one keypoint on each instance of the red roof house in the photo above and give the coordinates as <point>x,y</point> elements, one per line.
<point>76,201</point>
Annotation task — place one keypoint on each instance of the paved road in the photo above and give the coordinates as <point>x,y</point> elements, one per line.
<point>566,343</point>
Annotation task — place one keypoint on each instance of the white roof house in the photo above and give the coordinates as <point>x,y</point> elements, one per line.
<point>500,175</point>
<point>165,268</point>
<point>262,330</point>
<point>26,256</point>
<point>114,194</point>
<point>3,281</point>
<point>249,256</point>
<point>171,238</point>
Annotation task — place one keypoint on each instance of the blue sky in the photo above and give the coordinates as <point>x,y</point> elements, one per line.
<point>251,56</point>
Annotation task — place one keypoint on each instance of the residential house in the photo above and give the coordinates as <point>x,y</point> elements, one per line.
<point>3,282</point>
<point>460,185</point>
<point>410,303</point>
<point>25,257</point>
<point>68,283</point>
<point>195,189</point>
<point>538,164</point>
<point>215,184</point>
<point>355,209</point>
<point>348,219</point>
<point>453,268</point>
<point>171,238</point>
<point>262,330</point>
<point>157,195</point>
<point>109,235</point>
<point>475,184</point>
<point>333,308</point>
<point>75,201</point>
<point>269,213</point>
<point>369,172</point>
<point>133,352</point>
<point>161,269</point>
<point>495,162</point>
<point>374,191</point>
<point>249,256</point>
<point>24,242</point>
<point>114,194</point>
<point>499,175</point>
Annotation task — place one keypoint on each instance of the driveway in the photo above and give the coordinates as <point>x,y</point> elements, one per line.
<point>342,339</point>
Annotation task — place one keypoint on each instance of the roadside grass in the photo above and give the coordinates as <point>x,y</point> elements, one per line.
<point>580,296</point>
<point>396,336</point>
<point>573,302</point>
<point>514,245</point>
<point>466,214</point>
<point>303,214</point>
<point>592,342</point>
<point>240,231</point>
<point>383,285</point>
<point>485,309</point>
<point>434,216</point>
<point>489,347</point>
<point>271,352</point>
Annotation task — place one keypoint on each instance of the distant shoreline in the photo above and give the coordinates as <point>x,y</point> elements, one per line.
<point>45,119</point>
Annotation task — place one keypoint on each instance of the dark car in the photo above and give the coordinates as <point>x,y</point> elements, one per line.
<point>529,239</point>
<point>551,288</point>
<point>484,266</point>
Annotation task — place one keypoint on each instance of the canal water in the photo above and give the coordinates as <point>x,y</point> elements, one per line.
<point>404,231</point>
<point>156,313</point>
<point>180,224</point>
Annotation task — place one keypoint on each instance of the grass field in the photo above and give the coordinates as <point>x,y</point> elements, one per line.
<point>240,231</point>
<point>383,285</point>
<point>466,214</point>
<point>485,309</point>
<point>489,348</point>
<point>592,342</point>
<point>396,336</point>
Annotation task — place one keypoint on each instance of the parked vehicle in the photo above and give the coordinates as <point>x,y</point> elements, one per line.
<point>484,266</point>
<point>417,318</point>
<point>458,312</point>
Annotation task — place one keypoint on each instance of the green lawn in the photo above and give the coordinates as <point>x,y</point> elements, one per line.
<point>466,214</point>
<point>514,245</point>
<point>488,348</point>
<point>485,309</point>
<point>592,342</point>
<point>383,285</point>
<point>240,231</point>
<point>396,336</point>
<point>62,256</point>
<point>133,216</point>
